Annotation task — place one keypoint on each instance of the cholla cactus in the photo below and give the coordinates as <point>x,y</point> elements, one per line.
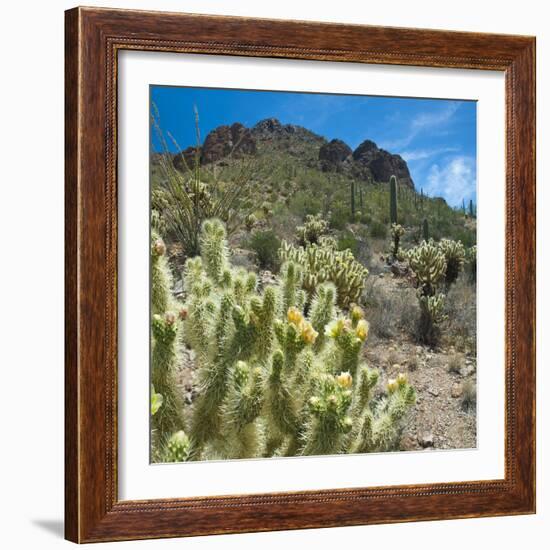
<point>324,263</point>
<point>250,221</point>
<point>161,279</point>
<point>455,256</point>
<point>471,261</point>
<point>313,229</point>
<point>164,329</point>
<point>177,448</point>
<point>397,231</point>
<point>431,315</point>
<point>429,266</point>
<point>273,379</point>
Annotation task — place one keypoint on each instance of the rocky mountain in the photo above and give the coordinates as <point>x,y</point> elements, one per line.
<point>367,162</point>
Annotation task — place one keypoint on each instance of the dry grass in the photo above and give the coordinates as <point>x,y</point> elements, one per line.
<point>460,306</point>
<point>455,363</point>
<point>469,395</point>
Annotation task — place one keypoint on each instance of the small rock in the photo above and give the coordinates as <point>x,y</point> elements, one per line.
<point>456,390</point>
<point>426,440</point>
<point>467,370</point>
<point>433,391</point>
<point>407,443</point>
<point>381,276</point>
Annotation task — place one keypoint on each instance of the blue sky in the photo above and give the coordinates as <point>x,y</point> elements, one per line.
<point>436,137</point>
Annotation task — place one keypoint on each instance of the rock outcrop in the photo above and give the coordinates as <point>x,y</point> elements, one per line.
<point>333,154</point>
<point>235,140</point>
<point>370,160</point>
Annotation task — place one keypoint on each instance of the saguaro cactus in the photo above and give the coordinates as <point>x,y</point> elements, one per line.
<point>425,230</point>
<point>393,200</point>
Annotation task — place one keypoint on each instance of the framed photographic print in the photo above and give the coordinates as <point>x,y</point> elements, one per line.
<point>300,275</point>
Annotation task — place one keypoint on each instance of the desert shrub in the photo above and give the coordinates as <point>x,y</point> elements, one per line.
<point>304,203</point>
<point>455,363</point>
<point>378,230</point>
<point>460,309</point>
<point>348,241</point>
<point>339,216</point>
<point>265,245</point>
<point>273,380</point>
<point>469,395</point>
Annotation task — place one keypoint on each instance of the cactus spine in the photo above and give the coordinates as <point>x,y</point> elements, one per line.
<point>393,200</point>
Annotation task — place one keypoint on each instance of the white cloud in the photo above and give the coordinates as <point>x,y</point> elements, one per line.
<point>454,181</point>
<point>421,154</point>
<point>422,122</point>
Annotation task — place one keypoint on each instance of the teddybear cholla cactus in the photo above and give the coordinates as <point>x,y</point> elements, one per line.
<point>274,381</point>
<point>167,402</point>
<point>455,256</point>
<point>397,231</point>
<point>471,261</point>
<point>313,229</point>
<point>324,263</point>
<point>429,266</point>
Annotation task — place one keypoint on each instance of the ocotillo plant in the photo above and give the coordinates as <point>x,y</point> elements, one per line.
<point>471,208</point>
<point>273,380</point>
<point>393,200</point>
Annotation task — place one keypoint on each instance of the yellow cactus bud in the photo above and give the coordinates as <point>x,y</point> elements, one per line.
<point>344,380</point>
<point>392,385</point>
<point>335,328</point>
<point>308,333</point>
<point>357,313</point>
<point>402,379</point>
<point>362,330</point>
<point>294,316</point>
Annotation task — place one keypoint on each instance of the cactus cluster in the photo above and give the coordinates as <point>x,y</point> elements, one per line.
<point>455,256</point>
<point>312,230</point>
<point>322,263</point>
<point>428,263</point>
<point>275,380</point>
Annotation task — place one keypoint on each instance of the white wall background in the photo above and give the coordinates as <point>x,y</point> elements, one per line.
<point>31,272</point>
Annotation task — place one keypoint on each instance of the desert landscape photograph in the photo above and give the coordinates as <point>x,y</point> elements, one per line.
<point>312,274</point>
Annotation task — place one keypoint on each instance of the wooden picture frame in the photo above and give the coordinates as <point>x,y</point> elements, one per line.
<point>93,39</point>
